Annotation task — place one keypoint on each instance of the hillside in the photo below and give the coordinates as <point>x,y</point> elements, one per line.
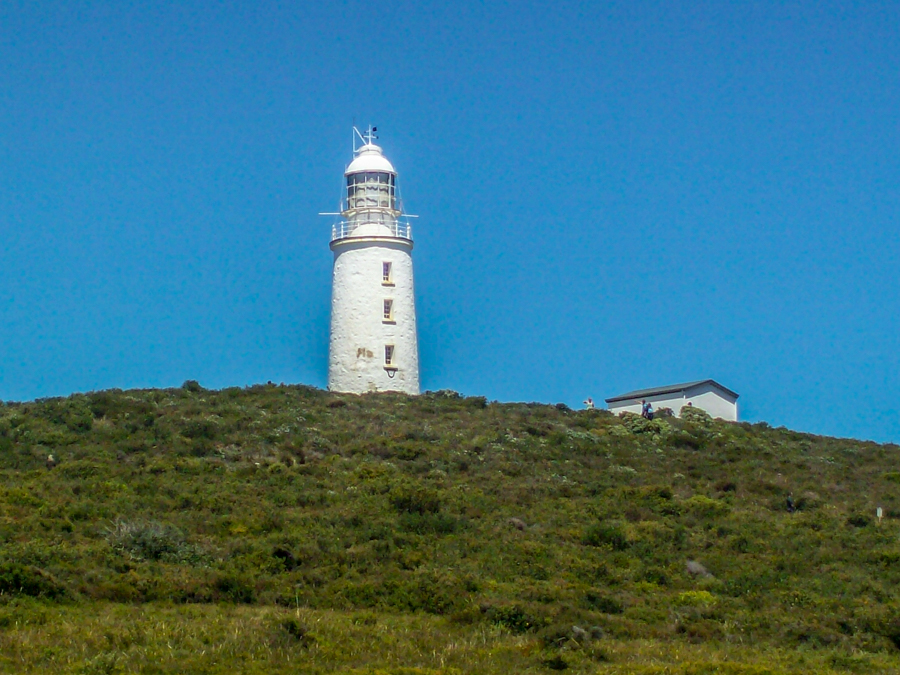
<point>284,529</point>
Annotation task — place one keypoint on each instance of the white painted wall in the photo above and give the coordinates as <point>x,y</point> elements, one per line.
<point>706,397</point>
<point>358,332</point>
<point>714,401</point>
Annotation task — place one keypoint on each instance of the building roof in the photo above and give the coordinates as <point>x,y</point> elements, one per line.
<point>369,158</point>
<point>670,389</point>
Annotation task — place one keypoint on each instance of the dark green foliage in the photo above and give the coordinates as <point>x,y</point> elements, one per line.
<point>603,603</point>
<point>695,416</point>
<point>513,617</point>
<point>27,580</point>
<point>232,588</point>
<point>150,540</point>
<point>429,523</point>
<point>412,499</point>
<point>556,662</point>
<point>606,534</point>
<point>297,631</point>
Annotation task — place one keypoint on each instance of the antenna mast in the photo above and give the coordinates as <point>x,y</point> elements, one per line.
<point>366,137</point>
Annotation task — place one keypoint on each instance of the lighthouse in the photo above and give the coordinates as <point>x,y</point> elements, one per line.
<point>373,344</point>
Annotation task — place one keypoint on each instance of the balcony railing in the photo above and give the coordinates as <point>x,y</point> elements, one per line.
<point>355,228</point>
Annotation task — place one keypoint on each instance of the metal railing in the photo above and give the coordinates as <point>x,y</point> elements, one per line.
<point>345,229</point>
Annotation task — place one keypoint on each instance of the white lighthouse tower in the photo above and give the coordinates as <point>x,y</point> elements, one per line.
<point>373,314</point>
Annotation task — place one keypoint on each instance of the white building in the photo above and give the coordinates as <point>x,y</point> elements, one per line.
<point>373,344</point>
<point>707,395</point>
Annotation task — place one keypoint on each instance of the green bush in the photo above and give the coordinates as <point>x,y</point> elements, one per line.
<point>695,415</point>
<point>705,506</point>
<point>859,520</point>
<point>514,618</point>
<point>296,630</point>
<point>602,603</point>
<point>429,523</point>
<point>606,534</point>
<point>26,580</point>
<point>414,499</point>
<point>151,540</point>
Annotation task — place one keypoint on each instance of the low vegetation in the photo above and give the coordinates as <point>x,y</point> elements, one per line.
<point>283,529</point>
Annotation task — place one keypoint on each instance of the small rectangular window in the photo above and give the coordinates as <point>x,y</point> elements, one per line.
<point>386,273</point>
<point>388,310</point>
<point>388,355</point>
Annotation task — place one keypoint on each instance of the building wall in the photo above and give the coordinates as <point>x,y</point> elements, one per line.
<point>714,401</point>
<point>673,401</point>
<point>358,331</point>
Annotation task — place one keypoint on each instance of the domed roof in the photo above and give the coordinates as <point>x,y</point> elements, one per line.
<point>369,158</point>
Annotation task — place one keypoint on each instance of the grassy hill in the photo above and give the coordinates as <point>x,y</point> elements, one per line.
<point>284,529</point>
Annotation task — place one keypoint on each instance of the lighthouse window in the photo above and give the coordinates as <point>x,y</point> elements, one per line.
<point>389,355</point>
<point>371,189</point>
<point>388,310</point>
<point>387,274</point>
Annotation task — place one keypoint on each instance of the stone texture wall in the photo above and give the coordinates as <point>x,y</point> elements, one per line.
<point>358,330</point>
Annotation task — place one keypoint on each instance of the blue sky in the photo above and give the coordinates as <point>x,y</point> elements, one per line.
<point>611,195</point>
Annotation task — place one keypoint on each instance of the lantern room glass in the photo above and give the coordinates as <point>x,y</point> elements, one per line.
<point>371,189</point>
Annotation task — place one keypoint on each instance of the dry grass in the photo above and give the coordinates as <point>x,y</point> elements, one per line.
<point>153,638</point>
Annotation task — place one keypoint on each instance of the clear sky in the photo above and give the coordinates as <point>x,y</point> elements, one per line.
<point>612,195</point>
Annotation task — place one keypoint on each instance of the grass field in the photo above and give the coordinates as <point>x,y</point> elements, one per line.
<point>286,529</point>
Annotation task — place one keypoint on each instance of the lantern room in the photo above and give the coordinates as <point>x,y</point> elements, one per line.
<point>371,206</point>
<point>371,181</point>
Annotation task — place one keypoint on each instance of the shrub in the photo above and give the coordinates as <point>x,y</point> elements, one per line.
<point>704,506</point>
<point>859,520</point>
<point>885,623</point>
<point>150,540</point>
<point>234,589</point>
<point>641,425</point>
<point>434,592</point>
<point>556,662</point>
<point>414,499</point>
<point>696,598</point>
<point>297,631</point>
<point>655,575</point>
<point>477,402</point>
<point>602,603</point>
<point>513,617</point>
<point>696,415</point>
<point>699,629</point>
<point>200,429</point>
<point>690,437</point>
<point>606,534</point>
<point>18,579</point>
<point>428,523</point>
